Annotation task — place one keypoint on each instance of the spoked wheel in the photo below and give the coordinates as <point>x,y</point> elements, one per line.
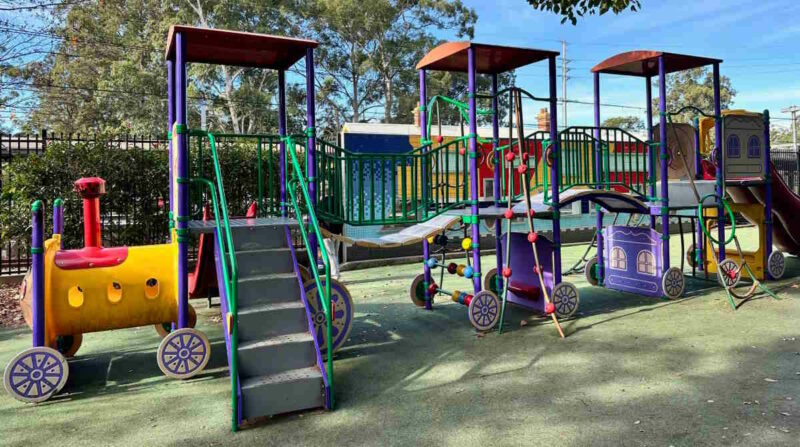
<point>673,283</point>
<point>776,265</point>
<point>165,328</point>
<point>183,353</point>
<point>36,374</point>
<point>728,273</point>
<point>691,256</point>
<point>591,271</point>
<point>342,311</point>
<point>417,290</point>
<point>565,298</point>
<point>490,281</point>
<point>484,310</point>
<point>67,345</point>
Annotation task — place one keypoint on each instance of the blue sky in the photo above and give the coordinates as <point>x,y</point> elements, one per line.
<point>758,41</point>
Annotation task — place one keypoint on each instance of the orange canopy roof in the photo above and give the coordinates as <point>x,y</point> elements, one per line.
<point>452,56</point>
<point>645,63</point>
<point>223,47</point>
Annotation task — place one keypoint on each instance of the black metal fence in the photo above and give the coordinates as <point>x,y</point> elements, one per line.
<point>141,209</point>
<point>785,161</point>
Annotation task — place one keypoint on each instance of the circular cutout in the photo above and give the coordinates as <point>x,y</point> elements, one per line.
<point>548,157</point>
<point>417,290</point>
<point>35,374</point>
<point>673,283</point>
<point>484,310</point>
<point>776,265</point>
<point>67,345</point>
<point>342,309</point>
<point>114,292</point>
<point>590,270</point>
<point>75,296</point>
<point>151,288</point>
<point>165,328</point>
<point>728,273</point>
<point>565,298</point>
<point>183,353</point>
<point>490,282</point>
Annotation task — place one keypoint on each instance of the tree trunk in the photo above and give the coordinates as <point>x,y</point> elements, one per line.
<point>388,100</point>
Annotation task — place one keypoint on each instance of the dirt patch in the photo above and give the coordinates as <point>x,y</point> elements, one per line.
<point>10,313</point>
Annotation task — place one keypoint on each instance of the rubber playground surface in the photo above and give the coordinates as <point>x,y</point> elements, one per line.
<point>632,371</point>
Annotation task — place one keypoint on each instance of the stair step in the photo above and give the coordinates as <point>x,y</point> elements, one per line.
<point>271,320</point>
<point>264,261</point>
<point>267,289</point>
<point>292,390</point>
<point>277,354</point>
<point>258,237</point>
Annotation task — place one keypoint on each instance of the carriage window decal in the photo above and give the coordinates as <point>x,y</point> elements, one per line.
<point>753,147</point>
<point>646,263</point>
<point>619,260</point>
<point>733,146</point>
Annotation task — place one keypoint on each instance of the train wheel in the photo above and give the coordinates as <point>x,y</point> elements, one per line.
<point>591,271</point>
<point>342,309</point>
<point>484,310</point>
<point>165,328</point>
<point>691,256</point>
<point>565,298</point>
<point>776,265</point>
<point>36,374</point>
<point>490,282</point>
<point>418,290</point>
<point>183,353</point>
<point>673,283</point>
<point>728,273</point>
<point>68,345</point>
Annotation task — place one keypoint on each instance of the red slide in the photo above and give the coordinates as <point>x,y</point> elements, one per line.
<point>785,225</point>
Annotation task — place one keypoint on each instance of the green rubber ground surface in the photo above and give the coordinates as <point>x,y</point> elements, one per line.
<point>632,371</point>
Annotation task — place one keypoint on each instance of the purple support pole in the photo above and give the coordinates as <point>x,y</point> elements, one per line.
<point>768,195</point>
<point>282,144</point>
<point>662,128</point>
<point>37,274</point>
<point>698,174</point>
<point>182,193</point>
<point>651,167</point>
<point>496,190</point>
<point>170,120</point>
<point>473,167</point>
<point>598,157</point>
<point>311,142</point>
<point>423,134</point>
<point>58,218</point>
<point>554,171</point>
<point>720,179</point>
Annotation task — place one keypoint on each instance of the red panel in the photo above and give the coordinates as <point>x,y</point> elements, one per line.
<point>91,257</point>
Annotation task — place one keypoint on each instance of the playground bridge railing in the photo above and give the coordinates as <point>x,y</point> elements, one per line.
<point>391,188</point>
<point>623,160</point>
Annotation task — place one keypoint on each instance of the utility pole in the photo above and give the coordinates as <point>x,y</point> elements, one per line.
<point>793,110</point>
<point>564,78</point>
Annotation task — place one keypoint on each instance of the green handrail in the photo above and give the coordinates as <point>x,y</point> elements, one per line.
<point>230,273</point>
<point>298,182</point>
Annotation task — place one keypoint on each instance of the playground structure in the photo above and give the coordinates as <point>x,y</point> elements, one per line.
<point>72,292</point>
<point>283,322</point>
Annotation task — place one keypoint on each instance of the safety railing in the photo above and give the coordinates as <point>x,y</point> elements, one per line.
<point>623,163</point>
<point>306,216</point>
<point>386,188</point>
<point>230,268</point>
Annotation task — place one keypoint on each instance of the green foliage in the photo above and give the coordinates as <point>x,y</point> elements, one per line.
<point>572,9</point>
<point>627,123</point>
<point>135,181</point>
<point>694,87</point>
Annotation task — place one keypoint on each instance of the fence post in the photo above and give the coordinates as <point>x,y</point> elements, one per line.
<point>44,140</point>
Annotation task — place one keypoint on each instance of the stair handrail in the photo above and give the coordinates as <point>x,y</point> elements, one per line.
<point>297,182</point>
<point>231,274</point>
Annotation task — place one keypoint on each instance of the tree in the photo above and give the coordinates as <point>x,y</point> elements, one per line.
<point>367,55</point>
<point>694,87</point>
<point>572,9</point>
<point>627,123</point>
